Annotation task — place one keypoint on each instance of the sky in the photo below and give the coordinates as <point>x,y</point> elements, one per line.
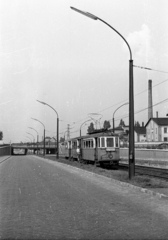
<point>77,65</point>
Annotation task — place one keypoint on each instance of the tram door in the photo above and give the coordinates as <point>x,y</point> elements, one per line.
<point>96,149</point>
<point>80,146</point>
<point>70,149</point>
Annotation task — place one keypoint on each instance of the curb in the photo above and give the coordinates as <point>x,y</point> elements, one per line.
<point>4,158</point>
<point>143,190</point>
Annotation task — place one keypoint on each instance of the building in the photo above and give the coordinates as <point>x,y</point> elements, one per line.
<point>118,130</point>
<point>139,134</point>
<point>157,129</point>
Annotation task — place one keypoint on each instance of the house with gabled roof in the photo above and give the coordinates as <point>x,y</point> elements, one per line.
<point>157,129</point>
<point>140,134</point>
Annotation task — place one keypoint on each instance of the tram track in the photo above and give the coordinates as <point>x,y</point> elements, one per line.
<point>145,170</point>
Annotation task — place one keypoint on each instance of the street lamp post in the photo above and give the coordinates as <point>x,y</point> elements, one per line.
<point>64,133</point>
<point>29,138</point>
<point>131,95</point>
<point>37,137</point>
<point>30,141</point>
<point>44,133</point>
<point>57,129</point>
<point>114,113</point>
<point>32,136</point>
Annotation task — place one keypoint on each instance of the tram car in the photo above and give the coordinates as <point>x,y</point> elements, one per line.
<point>69,148</point>
<point>98,148</point>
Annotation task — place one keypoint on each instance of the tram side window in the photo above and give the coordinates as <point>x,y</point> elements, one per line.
<point>74,144</point>
<point>98,142</point>
<point>110,142</point>
<point>88,144</point>
<point>116,142</point>
<point>69,145</point>
<point>102,142</point>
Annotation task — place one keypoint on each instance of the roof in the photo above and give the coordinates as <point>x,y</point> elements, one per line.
<point>94,135</point>
<point>119,128</point>
<point>140,130</point>
<point>159,121</point>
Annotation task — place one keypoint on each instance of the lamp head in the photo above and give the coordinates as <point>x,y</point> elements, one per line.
<point>41,102</point>
<point>34,119</point>
<point>85,13</point>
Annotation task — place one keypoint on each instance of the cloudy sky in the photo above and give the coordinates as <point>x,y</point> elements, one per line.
<point>77,65</point>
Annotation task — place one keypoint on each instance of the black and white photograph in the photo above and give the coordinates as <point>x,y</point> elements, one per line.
<point>83,119</point>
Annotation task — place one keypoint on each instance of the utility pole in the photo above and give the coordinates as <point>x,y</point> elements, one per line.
<point>68,131</point>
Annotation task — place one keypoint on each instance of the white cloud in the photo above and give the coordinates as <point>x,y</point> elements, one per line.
<point>140,43</point>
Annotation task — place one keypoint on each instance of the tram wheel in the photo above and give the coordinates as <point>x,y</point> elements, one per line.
<point>101,165</point>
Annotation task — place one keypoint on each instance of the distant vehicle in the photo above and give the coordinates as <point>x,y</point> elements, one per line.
<point>163,146</point>
<point>19,151</point>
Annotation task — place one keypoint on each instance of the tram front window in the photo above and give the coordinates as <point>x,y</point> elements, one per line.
<point>110,142</point>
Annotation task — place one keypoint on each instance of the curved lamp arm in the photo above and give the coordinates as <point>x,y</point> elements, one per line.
<point>118,108</point>
<point>87,14</point>
<point>48,106</point>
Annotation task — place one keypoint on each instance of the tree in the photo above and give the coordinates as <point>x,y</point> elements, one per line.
<point>106,124</point>
<point>122,123</point>
<point>62,139</point>
<point>1,135</point>
<point>137,124</point>
<point>91,128</point>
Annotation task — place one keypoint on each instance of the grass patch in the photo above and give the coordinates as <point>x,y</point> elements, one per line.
<point>149,162</point>
<point>120,175</point>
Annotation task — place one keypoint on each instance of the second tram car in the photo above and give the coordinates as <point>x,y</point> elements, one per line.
<point>99,148</point>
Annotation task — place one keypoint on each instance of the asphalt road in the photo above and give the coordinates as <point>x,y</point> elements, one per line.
<point>42,199</point>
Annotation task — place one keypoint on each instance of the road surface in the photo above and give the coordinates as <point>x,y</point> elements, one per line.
<point>42,199</point>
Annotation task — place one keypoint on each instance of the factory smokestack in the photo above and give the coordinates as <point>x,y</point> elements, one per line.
<point>150,107</point>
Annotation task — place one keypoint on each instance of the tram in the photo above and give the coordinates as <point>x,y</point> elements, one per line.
<point>99,148</point>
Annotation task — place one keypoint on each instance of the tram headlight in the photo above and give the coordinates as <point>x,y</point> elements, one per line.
<point>110,156</point>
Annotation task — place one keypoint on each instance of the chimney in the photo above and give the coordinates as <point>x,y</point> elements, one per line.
<point>156,114</point>
<point>142,124</point>
<point>150,107</point>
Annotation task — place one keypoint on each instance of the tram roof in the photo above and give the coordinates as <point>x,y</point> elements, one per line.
<point>95,135</point>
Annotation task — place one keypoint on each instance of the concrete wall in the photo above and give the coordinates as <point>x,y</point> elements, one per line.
<point>5,150</point>
<point>146,154</point>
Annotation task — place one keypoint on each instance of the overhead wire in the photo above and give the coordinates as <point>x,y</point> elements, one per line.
<point>125,116</point>
<point>126,99</point>
<point>146,68</point>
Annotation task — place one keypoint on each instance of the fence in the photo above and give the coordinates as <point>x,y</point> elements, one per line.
<point>5,150</point>
<point>146,154</point>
